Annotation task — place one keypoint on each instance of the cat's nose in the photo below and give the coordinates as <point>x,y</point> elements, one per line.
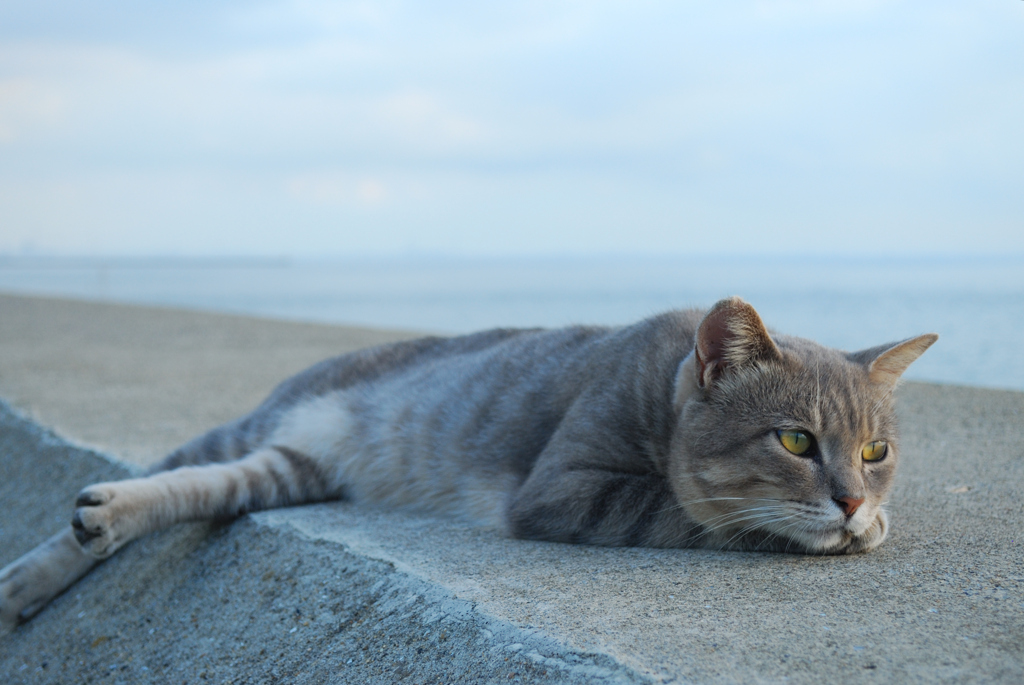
<point>849,505</point>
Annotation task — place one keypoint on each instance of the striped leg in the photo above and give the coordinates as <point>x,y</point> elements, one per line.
<point>112,514</point>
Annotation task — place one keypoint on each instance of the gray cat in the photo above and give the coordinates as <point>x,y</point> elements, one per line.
<point>689,429</point>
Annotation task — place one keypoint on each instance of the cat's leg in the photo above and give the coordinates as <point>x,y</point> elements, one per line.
<point>218,475</point>
<point>594,506</point>
<point>30,582</point>
<point>108,515</point>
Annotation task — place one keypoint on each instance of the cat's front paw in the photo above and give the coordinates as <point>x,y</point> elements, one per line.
<point>870,538</point>
<point>95,521</point>
<point>16,594</point>
<point>28,583</point>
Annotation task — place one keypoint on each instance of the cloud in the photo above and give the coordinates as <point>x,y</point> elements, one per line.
<point>429,122</point>
<point>337,189</point>
<point>27,106</point>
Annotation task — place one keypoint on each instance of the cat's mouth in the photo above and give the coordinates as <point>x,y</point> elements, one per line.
<point>818,531</point>
<point>861,532</point>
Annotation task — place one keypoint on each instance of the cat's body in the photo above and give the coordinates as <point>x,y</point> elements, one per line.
<point>688,429</point>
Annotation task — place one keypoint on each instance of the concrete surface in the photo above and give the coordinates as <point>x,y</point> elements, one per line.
<point>139,381</point>
<point>941,601</point>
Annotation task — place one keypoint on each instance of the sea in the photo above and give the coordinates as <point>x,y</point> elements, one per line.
<point>976,305</point>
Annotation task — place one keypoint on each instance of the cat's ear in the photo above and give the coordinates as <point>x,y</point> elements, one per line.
<point>731,335</point>
<point>886,363</point>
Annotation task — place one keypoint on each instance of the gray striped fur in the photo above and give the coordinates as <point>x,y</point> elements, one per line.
<point>663,433</point>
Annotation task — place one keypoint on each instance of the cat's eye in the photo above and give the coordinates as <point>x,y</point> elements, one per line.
<point>797,442</point>
<point>875,451</point>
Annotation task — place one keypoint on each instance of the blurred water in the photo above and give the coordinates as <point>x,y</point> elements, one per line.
<point>977,306</point>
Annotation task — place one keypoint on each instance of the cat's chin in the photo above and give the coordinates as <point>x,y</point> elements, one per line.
<point>850,542</point>
<point>870,538</point>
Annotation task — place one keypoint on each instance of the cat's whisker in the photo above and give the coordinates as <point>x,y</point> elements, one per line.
<point>772,535</point>
<point>760,516</point>
<point>753,526</point>
<point>734,516</point>
<point>790,541</point>
<point>729,524</point>
<point>681,505</point>
<point>783,532</point>
<point>808,527</point>
<point>789,525</point>
<point>799,527</point>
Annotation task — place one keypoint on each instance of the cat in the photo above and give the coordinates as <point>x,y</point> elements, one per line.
<point>689,429</point>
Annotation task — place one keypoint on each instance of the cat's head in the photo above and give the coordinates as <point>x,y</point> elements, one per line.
<point>783,444</point>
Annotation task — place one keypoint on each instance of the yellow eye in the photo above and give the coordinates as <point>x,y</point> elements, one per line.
<point>797,442</point>
<point>875,451</point>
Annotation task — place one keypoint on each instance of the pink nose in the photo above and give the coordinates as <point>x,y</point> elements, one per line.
<point>849,505</point>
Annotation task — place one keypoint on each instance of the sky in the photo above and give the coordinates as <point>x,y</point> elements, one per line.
<point>312,128</point>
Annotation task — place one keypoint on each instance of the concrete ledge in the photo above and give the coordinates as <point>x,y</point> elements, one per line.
<point>259,600</point>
